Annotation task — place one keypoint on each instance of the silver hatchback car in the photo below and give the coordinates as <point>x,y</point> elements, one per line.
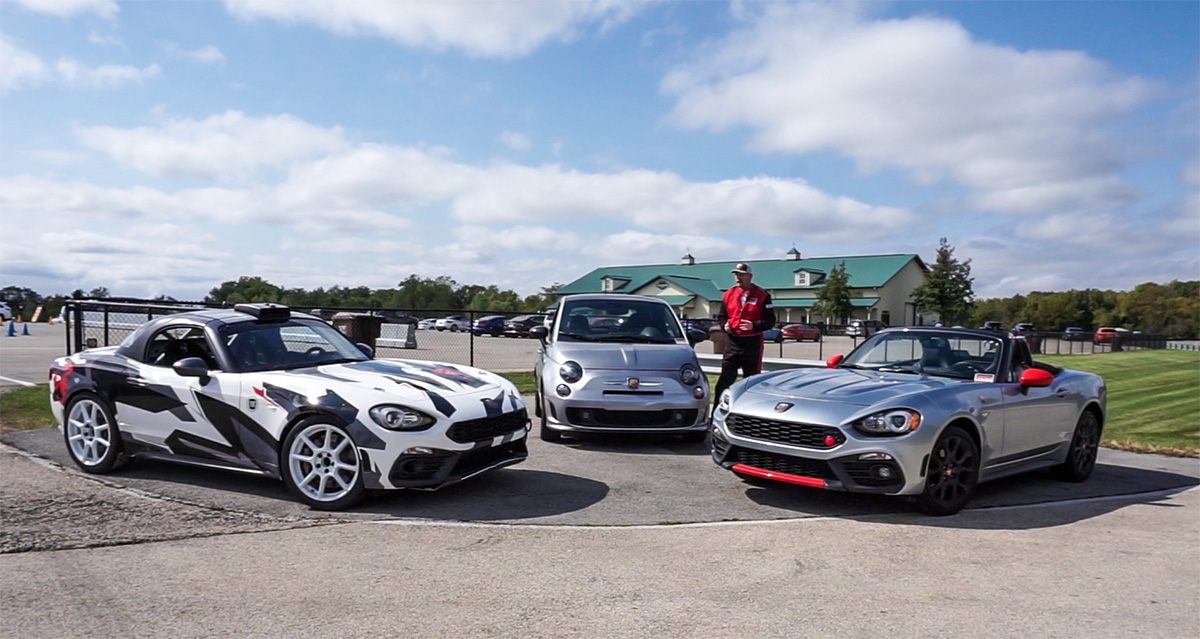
<point>619,364</point>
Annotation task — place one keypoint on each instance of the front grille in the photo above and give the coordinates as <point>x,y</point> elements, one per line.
<point>780,463</point>
<point>417,468</point>
<point>473,460</point>
<point>810,435</point>
<point>475,430</point>
<point>676,418</point>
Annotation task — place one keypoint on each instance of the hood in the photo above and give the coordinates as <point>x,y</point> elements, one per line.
<point>402,378</point>
<point>858,388</point>
<point>615,356</point>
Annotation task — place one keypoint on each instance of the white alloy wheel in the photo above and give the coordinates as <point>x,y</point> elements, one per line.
<point>91,434</point>
<point>322,466</point>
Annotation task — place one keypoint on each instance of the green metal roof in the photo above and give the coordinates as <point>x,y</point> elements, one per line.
<point>865,271</point>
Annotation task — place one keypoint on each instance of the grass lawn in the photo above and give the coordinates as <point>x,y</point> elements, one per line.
<point>1153,399</point>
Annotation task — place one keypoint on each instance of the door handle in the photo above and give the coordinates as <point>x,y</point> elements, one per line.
<point>1062,392</point>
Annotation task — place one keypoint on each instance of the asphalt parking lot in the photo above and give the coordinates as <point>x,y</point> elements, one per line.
<point>599,537</point>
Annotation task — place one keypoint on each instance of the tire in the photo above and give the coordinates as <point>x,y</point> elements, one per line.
<point>321,465</point>
<point>544,431</point>
<point>1085,444</point>
<point>952,474</point>
<point>453,328</point>
<point>91,435</point>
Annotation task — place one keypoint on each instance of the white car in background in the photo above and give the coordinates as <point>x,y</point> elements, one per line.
<point>453,323</point>
<point>5,312</point>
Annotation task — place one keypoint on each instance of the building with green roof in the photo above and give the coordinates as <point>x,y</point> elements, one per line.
<point>881,285</point>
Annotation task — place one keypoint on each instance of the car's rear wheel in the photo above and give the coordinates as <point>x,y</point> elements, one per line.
<point>91,434</point>
<point>322,466</point>
<point>952,474</point>
<point>1085,444</point>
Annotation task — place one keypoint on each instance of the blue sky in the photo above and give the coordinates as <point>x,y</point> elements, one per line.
<point>163,147</point>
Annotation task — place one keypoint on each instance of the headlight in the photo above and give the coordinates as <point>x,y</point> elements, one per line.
<point>689,375</point>
<point>892,422</point>
<point>570,372</point>
<point>400,418</point>
<point>725,401</point>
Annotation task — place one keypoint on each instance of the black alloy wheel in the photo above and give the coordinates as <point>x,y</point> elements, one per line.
<point>952,474</point>
<point>1085,445</point>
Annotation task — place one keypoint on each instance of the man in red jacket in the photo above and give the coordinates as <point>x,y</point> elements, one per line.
<point>750,312</point>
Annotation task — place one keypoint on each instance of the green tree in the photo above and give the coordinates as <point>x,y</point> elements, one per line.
<point>947,287</point>
<point>539,301</point>
<point>245,289</point>
<point>98,293</point>
<point>833,299</point>
<point>21,300</point>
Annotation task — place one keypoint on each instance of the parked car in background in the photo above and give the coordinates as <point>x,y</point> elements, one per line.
<point>1023,327</point>
<point>453,323</point>
<point>1106,334</point>
<point>992,326</point>
<point>519,326</point>
<point>640,377</point>
<point>324,313</point>
<point>915,411</point>
<point>489,325</point>
<point>1074,334</point>
<point>5,312</point>
<point>864,327</point>
<point>257,389</point>
<point>426,324</point>
<point>699,324</point>
<point>802,332</point>
<point>394,317</point>
<point>773,335</point>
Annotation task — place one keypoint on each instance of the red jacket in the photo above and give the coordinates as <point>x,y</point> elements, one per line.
<point>754,305</point>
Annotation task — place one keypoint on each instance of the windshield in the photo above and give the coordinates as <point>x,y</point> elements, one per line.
<point>619,321</point>
<point>939,354</point>
<point>296,343</point>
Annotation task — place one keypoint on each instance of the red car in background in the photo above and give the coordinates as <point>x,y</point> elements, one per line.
<point>1106,334</point>
<point>801,332</point>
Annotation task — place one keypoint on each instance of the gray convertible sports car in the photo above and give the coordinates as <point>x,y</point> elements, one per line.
<point>925,412</point>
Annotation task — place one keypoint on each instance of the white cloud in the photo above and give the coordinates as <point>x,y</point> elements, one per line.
<point>520,239</point>
<point>221,146</point>
<point>21,68</point>
<point>208,55</point>
<point>68,8</point>
<point>481,29</point>
<point>515,141</point>
<point>910,94</point>
<point>633,247</point>
<point>76,74</point>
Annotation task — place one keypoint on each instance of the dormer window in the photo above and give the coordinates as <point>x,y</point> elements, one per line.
<point>802,278</point>
<point>609,283</point>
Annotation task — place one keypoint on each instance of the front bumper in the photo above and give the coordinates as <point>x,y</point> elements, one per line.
<point>606,404</point>
<point>802,454</point>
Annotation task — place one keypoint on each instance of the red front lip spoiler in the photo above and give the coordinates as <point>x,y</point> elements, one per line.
<point>784,477</point>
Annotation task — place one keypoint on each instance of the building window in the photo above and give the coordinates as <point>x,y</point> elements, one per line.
<point>802,278</point>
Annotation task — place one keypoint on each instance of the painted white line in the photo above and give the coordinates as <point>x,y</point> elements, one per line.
<point>17,381</point>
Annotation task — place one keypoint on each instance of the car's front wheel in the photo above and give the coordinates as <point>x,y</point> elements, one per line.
<point>952,474</point>
<point>1085,444</point>
<point>321,465</point>
<point>544,431</point>
<point>90,432</point>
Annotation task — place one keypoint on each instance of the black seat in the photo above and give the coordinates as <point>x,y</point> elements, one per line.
<point>578,325</point>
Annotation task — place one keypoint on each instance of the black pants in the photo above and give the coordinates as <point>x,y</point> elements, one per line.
<point>744,353</point>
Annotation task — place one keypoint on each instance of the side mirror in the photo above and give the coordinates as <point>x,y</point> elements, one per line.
<point>366,349</point>
<point>191,367</point>
<point>695,336</point>
<point>833,362</point>
<point>539,332</point>
<point>1036,377</point>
